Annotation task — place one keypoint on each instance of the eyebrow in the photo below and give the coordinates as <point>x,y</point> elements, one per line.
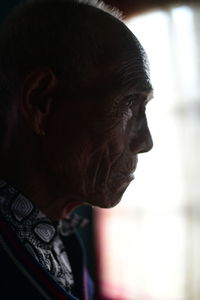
<point>144,87</point>
<point>145,90</point>
<point>150,95</point>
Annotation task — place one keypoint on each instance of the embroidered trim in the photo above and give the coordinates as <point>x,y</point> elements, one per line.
<point>25,257</point>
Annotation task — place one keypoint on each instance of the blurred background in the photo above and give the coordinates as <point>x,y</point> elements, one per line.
<point>148,247</point>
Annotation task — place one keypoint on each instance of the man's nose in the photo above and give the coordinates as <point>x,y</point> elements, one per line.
<point>142,141</point>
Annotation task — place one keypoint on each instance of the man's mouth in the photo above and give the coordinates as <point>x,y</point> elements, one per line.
<point>129,176</point>
<point>129,172</point>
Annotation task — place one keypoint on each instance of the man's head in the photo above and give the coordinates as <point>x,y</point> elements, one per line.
<point>77,82</point>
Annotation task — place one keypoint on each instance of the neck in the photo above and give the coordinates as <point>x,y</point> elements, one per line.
<point>28,175</point>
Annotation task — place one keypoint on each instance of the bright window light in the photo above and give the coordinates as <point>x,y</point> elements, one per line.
<point>149,243</point>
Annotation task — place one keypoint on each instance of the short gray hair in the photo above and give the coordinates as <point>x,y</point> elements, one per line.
<point>61,34</point>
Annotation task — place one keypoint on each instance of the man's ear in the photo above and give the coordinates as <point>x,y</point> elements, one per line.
<point>36,96</point>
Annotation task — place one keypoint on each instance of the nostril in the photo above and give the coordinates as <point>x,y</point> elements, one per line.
<point>142,142</point>
<point>148,144</point>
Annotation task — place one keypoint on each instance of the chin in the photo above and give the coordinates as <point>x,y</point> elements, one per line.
<point>110,198</point>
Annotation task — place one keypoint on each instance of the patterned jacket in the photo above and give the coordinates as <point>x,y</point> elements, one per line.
<point>23,278</point>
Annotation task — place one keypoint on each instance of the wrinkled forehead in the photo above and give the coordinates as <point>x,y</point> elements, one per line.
<point>129,72</point>
<point>131,67</point>
<point>121,65</point>
<point>126,74</point>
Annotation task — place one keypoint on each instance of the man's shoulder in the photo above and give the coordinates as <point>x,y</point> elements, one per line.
<point>14,283</point>
<point>21,276</point>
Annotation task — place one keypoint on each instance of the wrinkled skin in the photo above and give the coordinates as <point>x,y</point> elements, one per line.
<point>107,130</point>
<point>92,135</point>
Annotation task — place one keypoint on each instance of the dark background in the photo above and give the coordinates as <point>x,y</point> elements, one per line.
<point>129,8</point>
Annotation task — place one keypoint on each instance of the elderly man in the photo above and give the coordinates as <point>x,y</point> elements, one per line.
<point>74,84</point>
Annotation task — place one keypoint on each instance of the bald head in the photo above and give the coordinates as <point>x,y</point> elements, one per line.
<point>81,41</point>
<point>68,36</point>
<point>74,84</point>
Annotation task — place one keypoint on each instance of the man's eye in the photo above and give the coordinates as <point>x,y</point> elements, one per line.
<point>130,102</point>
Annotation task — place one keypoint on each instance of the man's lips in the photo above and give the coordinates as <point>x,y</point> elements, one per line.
<point>132,167</point>
<point>121,177</point>
<point>129,176</point>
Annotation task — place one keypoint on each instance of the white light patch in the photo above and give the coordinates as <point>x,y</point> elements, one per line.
<point>144,238</point>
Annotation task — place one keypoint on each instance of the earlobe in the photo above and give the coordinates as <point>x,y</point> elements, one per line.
<point>36,97</point>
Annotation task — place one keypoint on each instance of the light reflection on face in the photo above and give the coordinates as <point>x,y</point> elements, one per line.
<point>129,136</point>
<point>125,128</point>
<point>93,150</point>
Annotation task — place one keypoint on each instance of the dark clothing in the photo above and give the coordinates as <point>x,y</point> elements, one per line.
<point>22,276</point>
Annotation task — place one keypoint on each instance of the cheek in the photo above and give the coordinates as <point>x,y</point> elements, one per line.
<point>126,118</point>
<point>116,145</point>
<point>120,136</point>
<point>63,135</point>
